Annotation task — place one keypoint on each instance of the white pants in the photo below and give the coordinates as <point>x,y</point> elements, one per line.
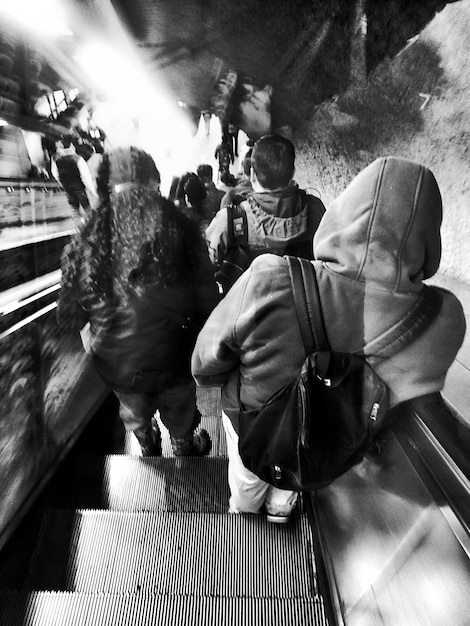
<point>248,492</point>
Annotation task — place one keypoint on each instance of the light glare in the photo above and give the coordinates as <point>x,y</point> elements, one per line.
<point>45,17</point>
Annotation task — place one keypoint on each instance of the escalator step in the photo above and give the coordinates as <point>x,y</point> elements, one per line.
<point>70,609</point>
<point>173,553</point>
<point>120,482</point>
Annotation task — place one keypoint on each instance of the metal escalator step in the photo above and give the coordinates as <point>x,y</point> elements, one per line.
<point>122,482</point>
<point>71,609</point>
<point>173,553</point>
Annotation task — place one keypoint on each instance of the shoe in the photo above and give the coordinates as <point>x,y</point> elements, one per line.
<point>280,513</point>
<point>195,444</point>
<point>150,439</point>
<point>276,518</point>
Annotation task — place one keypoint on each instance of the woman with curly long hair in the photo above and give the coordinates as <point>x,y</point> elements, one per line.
<point>138,272</point>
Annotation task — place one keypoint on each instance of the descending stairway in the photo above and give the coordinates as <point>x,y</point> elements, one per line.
<point>141,541</point>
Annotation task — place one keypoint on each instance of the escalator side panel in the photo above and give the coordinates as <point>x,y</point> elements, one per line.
<point>391,556</point>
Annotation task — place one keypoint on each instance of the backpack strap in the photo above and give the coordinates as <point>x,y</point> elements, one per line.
<point>237,226</point>
<point>309,313</point>
<point>307,304</point>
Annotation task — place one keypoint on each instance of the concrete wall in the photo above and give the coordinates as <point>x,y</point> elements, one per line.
<point>416,105</point>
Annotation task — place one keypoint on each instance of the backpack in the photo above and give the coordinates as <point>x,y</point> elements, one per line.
<point>325,421</point>
<point>239,256</point>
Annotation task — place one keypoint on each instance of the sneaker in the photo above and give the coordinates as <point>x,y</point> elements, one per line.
<point>150,439</point>
<point>278,512</point>
<point>195,444</point>
<point>277,518</point>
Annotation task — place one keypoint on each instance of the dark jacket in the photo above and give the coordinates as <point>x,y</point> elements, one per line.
<point>69,173</point>
<point>211,203</point>
<point>141,332</point>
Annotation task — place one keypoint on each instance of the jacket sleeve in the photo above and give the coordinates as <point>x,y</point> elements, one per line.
<point>227,198</point>
<point>216,353</point>
<point>216,237</point>
<point>317,210</point>
<point>70,314</point>
<point>252,336</point>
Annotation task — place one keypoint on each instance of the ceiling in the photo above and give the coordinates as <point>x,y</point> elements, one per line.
<point>307,50</point>
<point>300,52</point>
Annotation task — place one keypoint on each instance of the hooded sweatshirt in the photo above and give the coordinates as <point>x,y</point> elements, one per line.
<point>376,244</point>
<point>276,220</point>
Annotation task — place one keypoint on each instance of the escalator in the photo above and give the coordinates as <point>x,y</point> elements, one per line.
<point>122,539</point>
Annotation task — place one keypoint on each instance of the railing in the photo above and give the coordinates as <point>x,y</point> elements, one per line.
<point>393,533</point>
<point>47,382</point>
<point>32,211</point>
<point>20,299</point>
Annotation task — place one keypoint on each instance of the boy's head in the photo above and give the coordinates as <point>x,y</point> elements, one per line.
<point>194,190</point>
<point>273,161</point>
<point>205,172</point>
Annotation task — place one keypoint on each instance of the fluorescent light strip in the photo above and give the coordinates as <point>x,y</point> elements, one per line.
<point>16,305</point>
<point>28,320</point>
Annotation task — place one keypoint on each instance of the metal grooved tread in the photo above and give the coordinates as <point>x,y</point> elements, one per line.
<point>174,553</point>
<point>127,483</point>
<point>67,609</point>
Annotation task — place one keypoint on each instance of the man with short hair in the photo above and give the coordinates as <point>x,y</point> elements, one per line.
<point>281,218</point>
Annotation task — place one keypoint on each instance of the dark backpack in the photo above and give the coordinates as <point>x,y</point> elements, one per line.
<point>324,422</point>
<point>238,257</point>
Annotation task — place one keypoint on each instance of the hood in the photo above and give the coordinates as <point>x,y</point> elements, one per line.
<point>385,227</point>
<point>279,216</point>
<point>281,202</point>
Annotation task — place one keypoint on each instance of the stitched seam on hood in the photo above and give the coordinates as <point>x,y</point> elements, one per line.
<point>419,186</point>
<point>371,218</point>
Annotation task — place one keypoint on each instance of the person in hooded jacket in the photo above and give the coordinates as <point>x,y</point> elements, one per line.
<point>376,244</point>
<point>138,273</point>
<point>281,218</point>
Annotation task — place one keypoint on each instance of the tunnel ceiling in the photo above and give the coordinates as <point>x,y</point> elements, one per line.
<point>304,51</point>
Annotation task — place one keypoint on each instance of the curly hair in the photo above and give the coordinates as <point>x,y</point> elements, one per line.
<point>136,237</point>
<point>172,256</point>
